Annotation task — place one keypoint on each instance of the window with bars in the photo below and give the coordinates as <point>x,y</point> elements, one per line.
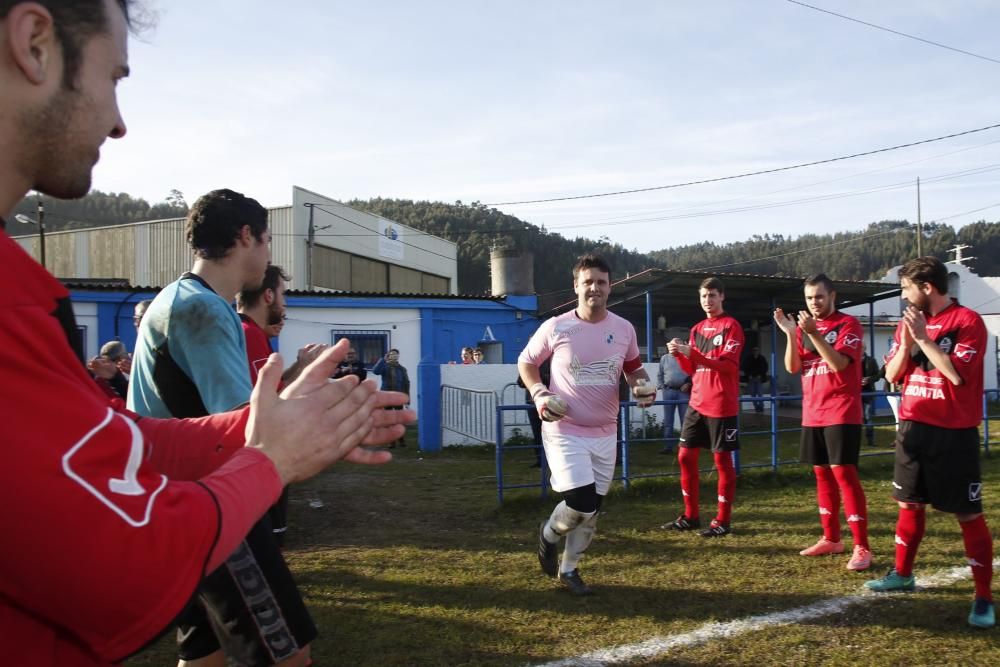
<point>371,345</point>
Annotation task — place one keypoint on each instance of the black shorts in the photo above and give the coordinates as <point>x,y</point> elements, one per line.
<point>720,434</point>
<point>938,466</point>
<point>839,445</point>
<point>249,607</point>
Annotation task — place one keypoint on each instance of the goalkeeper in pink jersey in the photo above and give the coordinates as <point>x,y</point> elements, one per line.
<point>589,348</point>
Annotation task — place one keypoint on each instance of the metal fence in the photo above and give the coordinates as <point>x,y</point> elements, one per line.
<point>469,412</point>
<point>626,441</point>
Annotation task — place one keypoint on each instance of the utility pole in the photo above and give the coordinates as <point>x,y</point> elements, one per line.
<point>920,231</point>
<point>41,228</point>
<point>28,220</point>
<point>310,241</point>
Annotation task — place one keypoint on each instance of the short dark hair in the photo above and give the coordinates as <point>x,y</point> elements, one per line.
<point>712,283</point>
<point>819,279</point>
<point>591,261</point>
<point>392,349</point>
<point>924,270</point>
<point>75,23</point>
<point>215,221</point>
<point>273,276</point>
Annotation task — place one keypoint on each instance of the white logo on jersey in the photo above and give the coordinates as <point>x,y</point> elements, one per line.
<point>90,473</point>
<point>851,341</point>
<point>975,492</point>
<point>965,352</point>
<point>717,341</point>
<point>945,345</point>
<point>596,373</point>
<point>732,345</point>
<point>831,337</point>
<point>731,434</point>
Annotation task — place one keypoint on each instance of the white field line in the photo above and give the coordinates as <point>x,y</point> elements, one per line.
<point>619,655</point>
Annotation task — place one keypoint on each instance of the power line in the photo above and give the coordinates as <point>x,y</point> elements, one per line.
<point>895,32</point>
<point>713,212</point>
<point>750,173</point>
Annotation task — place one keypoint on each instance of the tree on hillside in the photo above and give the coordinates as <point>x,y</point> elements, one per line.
<point>97,209</point>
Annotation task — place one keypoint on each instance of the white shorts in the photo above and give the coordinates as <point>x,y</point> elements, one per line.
<point>575,461</point>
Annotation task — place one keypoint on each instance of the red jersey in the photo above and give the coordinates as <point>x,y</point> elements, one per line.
<point>258,346</point>
<point>830,397</point>
<point>104,547</point>
<point>930,397</point>
<point>714,366</point>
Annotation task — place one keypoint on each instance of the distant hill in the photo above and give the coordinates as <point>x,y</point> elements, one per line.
<point>477,229</point>
<point>97,209</point>
<point>843,256</point>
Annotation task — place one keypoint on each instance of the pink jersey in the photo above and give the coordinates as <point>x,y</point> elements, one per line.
<point>830,397</point>
<point>587,360</point>
<point>928,396</point>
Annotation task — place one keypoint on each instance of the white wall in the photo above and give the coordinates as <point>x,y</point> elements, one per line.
<point>86,316</point>
<point>314,325</point>
<point>493,377</point>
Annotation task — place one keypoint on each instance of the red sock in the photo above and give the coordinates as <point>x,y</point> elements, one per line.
<point>979,551</point>
<point>855,505</point>
<point>909,532</point>
<point>727,485</point>
<point>828,501</point>
<point>687,457</point>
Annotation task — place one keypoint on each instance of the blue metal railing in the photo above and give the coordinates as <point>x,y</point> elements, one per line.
<point>626,440</point>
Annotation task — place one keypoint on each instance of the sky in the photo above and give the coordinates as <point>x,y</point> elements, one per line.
<point>499,102</point>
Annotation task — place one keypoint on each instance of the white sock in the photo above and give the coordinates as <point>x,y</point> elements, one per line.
<point>577,542</point>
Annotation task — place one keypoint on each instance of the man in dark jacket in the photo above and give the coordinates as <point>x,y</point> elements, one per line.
<point>394,378</point>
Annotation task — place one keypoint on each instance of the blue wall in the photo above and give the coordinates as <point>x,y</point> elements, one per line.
<point>446,325</point>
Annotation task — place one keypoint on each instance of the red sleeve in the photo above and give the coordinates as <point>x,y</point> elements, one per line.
<point>685,363</point>
<point>192,448</point>
<point>109,549</point>
<point>726,364</point>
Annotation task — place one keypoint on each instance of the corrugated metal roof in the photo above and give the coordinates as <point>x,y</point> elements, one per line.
<point>122,285</point>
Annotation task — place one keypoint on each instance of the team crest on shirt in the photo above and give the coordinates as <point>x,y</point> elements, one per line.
<point>965,352</point>
<point>831,337</point>
<point>596,373</point>
<point>112,477</point>
<point>975,492</point>
<point>732,345</point>
<point>945,344</point>
<point>609,338</point>
<point>717,341</point>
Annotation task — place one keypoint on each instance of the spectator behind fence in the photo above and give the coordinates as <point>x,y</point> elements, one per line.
<point>870,374</point>
<point>394,378</point>
<point>676,386</point>
<point>756,369</point>
<point>351,365</point>
<point>478,357</point>
<point>111,368</point>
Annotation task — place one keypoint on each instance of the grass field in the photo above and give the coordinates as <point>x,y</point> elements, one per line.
<point>414,563</point>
